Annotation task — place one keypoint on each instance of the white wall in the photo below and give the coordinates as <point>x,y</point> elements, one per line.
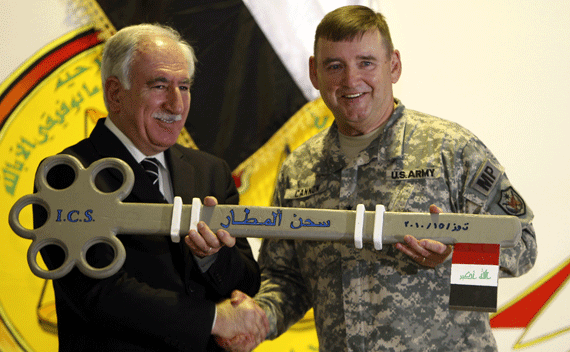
<point>502,69</point>
<point>28,25</point>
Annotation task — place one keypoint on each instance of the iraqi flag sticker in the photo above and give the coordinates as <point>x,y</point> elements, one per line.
<point>474,277</point>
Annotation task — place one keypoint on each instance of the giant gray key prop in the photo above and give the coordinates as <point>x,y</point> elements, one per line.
<point>80,216</point>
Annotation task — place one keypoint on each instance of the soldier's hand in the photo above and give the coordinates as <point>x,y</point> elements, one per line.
<point>425,252</point>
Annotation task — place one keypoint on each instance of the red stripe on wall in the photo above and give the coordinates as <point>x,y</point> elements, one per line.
<point>35,74</point>
<point>523,311</point>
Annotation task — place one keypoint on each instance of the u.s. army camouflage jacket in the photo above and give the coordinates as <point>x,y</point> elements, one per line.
<point>367,300</point>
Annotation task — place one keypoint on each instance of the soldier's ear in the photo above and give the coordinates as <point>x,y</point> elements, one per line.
<point>395,66</point>
<point>313,72</point>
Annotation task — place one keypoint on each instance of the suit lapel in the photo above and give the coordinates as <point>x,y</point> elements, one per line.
<point>182,174</point>
<point>108,145</point>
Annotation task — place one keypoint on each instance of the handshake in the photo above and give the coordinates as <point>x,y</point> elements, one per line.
<point>240,324</point>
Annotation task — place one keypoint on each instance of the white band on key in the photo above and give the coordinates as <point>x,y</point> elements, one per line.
<point>358,226</point>
<point>378,224</point>
<point>176,217</point>
<point>195,214</point>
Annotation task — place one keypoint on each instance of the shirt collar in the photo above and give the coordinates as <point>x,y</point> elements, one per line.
<point>135,152</point>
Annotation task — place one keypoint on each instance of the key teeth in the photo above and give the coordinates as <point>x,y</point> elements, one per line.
<point>378,225</point>
<point>358,226</point>
<point>176,218</point>
<point>195,214</point>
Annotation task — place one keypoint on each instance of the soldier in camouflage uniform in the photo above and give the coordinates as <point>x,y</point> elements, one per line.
<point>379,152</point>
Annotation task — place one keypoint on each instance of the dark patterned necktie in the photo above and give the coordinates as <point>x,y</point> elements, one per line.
<point>150,166</point>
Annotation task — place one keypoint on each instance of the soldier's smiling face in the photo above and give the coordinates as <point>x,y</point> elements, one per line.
<point>355,80</point>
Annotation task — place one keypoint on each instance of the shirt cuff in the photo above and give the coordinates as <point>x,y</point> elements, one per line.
<point>205,263</point>
<point>215,316</point>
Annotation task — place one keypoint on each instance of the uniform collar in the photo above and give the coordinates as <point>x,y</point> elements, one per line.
<point>388,145</point>
<point>393,135</point>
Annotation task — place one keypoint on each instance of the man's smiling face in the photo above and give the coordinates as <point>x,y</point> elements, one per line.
<point>153,111</point>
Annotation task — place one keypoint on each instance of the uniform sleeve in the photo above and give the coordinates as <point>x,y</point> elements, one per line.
<point>487,190</point>
<point>283,294</point>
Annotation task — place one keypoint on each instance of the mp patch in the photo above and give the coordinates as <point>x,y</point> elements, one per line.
<point>487,178</point>
<point>512,203</point>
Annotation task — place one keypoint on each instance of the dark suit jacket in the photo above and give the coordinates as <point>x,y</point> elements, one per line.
<point>159,300</point>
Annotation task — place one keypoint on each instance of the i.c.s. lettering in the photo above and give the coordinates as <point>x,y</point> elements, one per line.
<point>74,216</point>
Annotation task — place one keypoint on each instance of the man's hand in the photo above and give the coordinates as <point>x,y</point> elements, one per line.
<point>241,325</point>
<point>425,252</point>
<point>204,242</point>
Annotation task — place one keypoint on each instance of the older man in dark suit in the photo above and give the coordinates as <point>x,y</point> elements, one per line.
<point>167,296</point>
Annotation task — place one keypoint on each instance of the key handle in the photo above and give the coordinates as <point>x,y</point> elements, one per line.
<point>70,224</point>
